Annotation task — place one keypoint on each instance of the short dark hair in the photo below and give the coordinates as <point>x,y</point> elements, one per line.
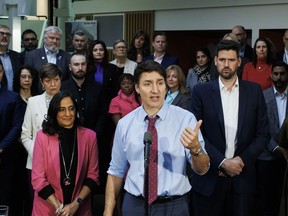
<point>28,31</point>
<point>280,64</point>
<point>80,33</point>
<point>227,45</point>
<point>159,33</point>
<point>148,67</point>
<point>50,125</point>
<point>49,70</point>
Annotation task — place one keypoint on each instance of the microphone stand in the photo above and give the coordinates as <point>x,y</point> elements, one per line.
<point>147,143</point>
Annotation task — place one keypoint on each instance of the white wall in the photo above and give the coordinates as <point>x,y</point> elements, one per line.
<point>199,15</point>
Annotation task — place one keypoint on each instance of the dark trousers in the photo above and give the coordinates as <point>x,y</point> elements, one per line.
<point>133,206</point>
<point>224,201</point>
<point>270,176</point>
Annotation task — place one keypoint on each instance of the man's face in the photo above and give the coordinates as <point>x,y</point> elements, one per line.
<point>5,36</point>
<point>29,41</point>
<point>227,63</point>
<point>78,66</point>
<point>79,43</point>
<point>120,50</point>
<point>279,77</point>
<point>241,34</point>
<point>159,44</point>
<point>152,90</point>
<point>52,41</point>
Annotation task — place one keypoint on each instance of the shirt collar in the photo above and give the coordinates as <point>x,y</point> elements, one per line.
<point>222,86</point>
<point>278,93</point>
<point>161,113</point>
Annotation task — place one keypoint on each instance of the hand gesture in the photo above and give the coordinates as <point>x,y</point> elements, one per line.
<point>189,137</point>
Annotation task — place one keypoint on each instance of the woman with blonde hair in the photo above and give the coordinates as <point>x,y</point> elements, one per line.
<point>177,93</point>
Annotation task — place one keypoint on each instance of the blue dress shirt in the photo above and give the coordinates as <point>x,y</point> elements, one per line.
<point>128,150</point>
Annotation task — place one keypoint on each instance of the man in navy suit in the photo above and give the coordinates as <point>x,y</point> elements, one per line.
<point>160,55</point>
<point>11,118</point>
<point>272,162</point>
<point>235,129</point>
<point>50,53</point>
<point>9,58</point>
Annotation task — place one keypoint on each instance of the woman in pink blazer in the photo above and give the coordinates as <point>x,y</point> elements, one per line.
<point>65,162</point>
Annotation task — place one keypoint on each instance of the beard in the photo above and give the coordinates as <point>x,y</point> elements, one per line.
<point>52,48</point>
<point>30,47</point>
<point>280,84</point>
<point>79,74</point>
<point>227,75</point>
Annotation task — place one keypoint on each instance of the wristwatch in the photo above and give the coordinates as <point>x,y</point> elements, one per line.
<point>198,152</point>
<point>80,201</point>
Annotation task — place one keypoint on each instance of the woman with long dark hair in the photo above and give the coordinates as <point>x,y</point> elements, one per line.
<point>65,161</point>
<point>259,70</point>
<point>139,47</point>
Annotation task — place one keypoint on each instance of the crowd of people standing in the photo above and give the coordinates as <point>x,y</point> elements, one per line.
<point>72,126</point>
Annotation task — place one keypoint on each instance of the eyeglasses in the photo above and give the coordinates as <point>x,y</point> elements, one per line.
<point>121,47</point>
<point>30,39</point>
<point>26,76</point>
<point>7,34</point>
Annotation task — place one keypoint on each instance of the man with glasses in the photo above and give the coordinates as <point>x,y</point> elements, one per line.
<point>245,49</point>
<point>29,42</point>
<point>50,53</point>
<point>10,58</point>
<point>124,64</point>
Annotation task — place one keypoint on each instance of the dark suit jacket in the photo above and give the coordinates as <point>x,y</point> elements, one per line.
<point>183,101</point>
<point>12,110</point>
<point>36,58</point>
<point>94,113</point>
<point>15,60</point>
<point>280,54</point>
<point>252,134</point>
<point>167,60</point>
<point>273,117</point>
<point>248,53</point>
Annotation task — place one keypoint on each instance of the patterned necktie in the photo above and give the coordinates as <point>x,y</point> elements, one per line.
<point>153,163</point>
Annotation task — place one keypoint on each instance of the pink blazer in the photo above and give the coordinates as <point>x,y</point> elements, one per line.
<point>46,169</point>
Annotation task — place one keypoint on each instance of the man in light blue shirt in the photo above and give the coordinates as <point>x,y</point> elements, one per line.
<point>179,141</point>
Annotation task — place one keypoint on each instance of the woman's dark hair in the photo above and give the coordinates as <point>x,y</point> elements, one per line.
<point>4,81</point>
<point>35,80</point>
<point>131,78</point>
<point>91,61</point>
<point>49,70</point>
<point>132,52</point>
<point>206,52</point>
<point>270,59</point>
<point>50,124</point>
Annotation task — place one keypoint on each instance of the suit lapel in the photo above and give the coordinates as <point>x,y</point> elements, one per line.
<point>43,56</point>
<point>177,99</point>
<point>242,106</point>
<point>81,152</point>
<point>53,144</point>
<point>216,98</point>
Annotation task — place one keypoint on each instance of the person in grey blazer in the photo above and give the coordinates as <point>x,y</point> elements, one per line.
<point>50,52</point>
<point>177,94</point>
<point>271,163</point>
<point>121,61</point>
